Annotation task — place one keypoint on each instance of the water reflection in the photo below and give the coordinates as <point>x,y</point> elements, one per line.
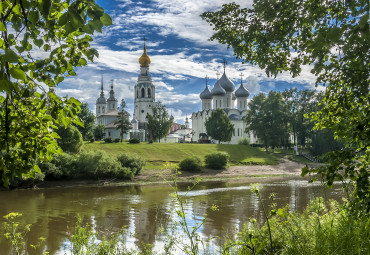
<point>145,209</point>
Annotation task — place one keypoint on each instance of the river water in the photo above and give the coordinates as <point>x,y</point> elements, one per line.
<point>145,209</point>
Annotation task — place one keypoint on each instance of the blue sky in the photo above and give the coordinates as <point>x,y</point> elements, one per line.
<point>181,54</point>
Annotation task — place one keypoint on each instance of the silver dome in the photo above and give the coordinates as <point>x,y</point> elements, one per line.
<point>242,91</point>
<point>206,94</point>
<point>226,83</point>
<point>218,90</point>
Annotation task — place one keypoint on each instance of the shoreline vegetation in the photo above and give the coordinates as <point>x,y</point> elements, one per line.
<point>246,164</point>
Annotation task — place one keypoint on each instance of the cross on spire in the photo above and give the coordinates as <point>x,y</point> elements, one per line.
<point>112,83</point>
<point>218,75</point>
<point>224,64</point>
<point>102,81</point>
<point>241,78</point>
<point>144,40</point>
<point>206,80</point>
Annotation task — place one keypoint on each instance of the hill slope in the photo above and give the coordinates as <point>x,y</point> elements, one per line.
<point>156,154</point>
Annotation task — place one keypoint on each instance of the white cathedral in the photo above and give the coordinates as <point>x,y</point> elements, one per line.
<point>223,95</point>
<point>107,109</point>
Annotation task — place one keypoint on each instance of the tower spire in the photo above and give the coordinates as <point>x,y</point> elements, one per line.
<point>101,87</point>
<point>206,80</point>
<point>241,78</point>
<point>224,65</point>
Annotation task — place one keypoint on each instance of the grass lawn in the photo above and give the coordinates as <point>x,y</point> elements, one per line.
<point>156,154</point>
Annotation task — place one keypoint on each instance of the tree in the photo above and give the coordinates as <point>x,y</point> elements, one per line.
<point>332,37</point>
<point>123,122</point>
<point>70,139</point>
<point>88,119</point>
<point>219,126</point>
<point>267,117</point>
<point>40,42</point>
<point>159,123</point>
<point>99,132</point>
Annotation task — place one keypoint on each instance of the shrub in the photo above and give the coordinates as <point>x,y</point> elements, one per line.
<point>61,166</point>
<point>151,141</point>
<point>134,140</point>
<point>217,160</point>
<point>243,141</point>
<point>70,139</point>
<point>96,164</point>
<point>116,140</point>
<point>108,140</point>
<point>92,140</point>
<point>134,162</point>
<point>191,164</point>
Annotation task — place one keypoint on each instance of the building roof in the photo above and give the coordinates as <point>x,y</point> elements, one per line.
<point>218,90</point>
<point>113,112</point>
<point>206,94</point>
<point>226,83</point>
<point>242,91</point>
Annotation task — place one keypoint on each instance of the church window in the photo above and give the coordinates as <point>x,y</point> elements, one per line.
<point>103,111</point>
<point>150,106</point>
<point>137,93</point>
<point>238,131</point>
<point>142,92</point>
<point>109,134</point>
<point>142,111</point>
<point>244,104</point>
<point>227,101</point>
<point>216,103</point>
<point>99,109</point>
<point>149,93</point>
<point>233,132</point>
<point>112,106</point>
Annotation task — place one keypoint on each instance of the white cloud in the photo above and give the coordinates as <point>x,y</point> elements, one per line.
<point>252,85</point>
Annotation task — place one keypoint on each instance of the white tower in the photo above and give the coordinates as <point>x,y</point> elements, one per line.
<point>206,97</point>
<point>112,101</point>
<point>144,91</point>
<point>242,95</point>
<point>101,102</point>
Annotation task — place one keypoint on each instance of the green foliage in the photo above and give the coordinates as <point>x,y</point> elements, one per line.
<point>62,166</point>
<point>29,109</point>
<point>267,117</point>
<point>219,126</point>
<point>321,229</point>
<point>123,120</point>
<point>322,141</point>
<point>217,160</point>
<point>159,123</point>
<point>92,140</point>
<point>132,161</point>
<point>134,140</point>
<point>99,132</point>
<point>108,140</point>
<point>333,38</point>
<point>88,119</point>
<point>191,164</point>
<point>70,139</point>
<point>116,140</point>
<point>243,141</point>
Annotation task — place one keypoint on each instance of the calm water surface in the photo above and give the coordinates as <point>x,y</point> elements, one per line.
<point>145,209</point>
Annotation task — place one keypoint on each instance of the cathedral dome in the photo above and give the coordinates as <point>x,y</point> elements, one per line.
<point>144,60</point>
<point>242,91</point>
<point>218,90</point>
<point>226,83</point>
<point>101,100</point>
<point>206,94</point>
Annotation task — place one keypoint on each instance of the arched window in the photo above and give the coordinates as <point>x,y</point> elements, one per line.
<point>227,101</point>
<point>137,93</point>
<point>142,92</point>
<point>149,93</point>
<point>103,111</point>
<point>99,109</point>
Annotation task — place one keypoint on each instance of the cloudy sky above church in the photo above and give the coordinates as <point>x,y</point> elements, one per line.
<point>181,54</point>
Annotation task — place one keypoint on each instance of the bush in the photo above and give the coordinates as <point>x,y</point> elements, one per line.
<point>70,139</point>
<point>191,164</point>
<point>92,140</point>
<point>97,165</point>
<point>116,140</point>
<point>217,160</point>
<point>61,166</point>
<point>134,140</point>
<point>134,162</point>
<point>151,141</point>
<point>108,140</point>
<point>243,141</point>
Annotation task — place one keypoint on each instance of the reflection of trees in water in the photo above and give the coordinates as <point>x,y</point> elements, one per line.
<point>108,209</point>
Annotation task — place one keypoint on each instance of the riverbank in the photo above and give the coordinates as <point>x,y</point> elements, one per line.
<point>255,173</point>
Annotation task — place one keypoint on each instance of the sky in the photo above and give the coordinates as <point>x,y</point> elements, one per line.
<point>181,56</point>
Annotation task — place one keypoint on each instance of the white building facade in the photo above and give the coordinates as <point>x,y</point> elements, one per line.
<point>223,95</point>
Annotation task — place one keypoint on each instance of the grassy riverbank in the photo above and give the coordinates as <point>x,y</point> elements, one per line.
<point>156,154</point>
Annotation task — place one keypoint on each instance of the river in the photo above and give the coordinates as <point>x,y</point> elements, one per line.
<point>145,209</point>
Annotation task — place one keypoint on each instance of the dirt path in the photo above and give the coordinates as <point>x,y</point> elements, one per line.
<point>286,167</point>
